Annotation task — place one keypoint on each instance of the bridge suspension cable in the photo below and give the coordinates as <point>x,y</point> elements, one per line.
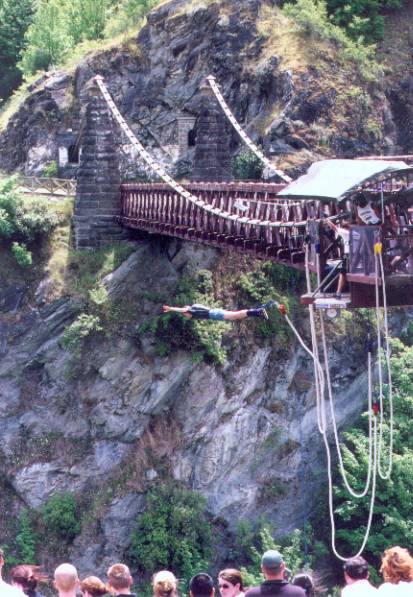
<point>161,172</point>
<point>214,86</point>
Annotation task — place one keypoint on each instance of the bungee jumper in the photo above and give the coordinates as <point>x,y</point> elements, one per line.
<point>197,311</point>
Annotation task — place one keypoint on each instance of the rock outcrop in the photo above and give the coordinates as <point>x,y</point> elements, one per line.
<point>244,434</point>
<point>296,100</point>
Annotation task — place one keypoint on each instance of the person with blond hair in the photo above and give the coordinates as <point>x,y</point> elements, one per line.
<point>92,586</point>
<point>66,580</point>
<point>26,577</point>
<point>397,572</point>
<point>120,580</point>
<point>164,584</point>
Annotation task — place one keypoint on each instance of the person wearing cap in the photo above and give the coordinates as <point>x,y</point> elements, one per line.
<point>356,574</point>
<point>275,584</point>
<point>7,590</point>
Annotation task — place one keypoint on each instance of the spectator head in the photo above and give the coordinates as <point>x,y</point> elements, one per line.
<point>397,565</point>
<point>66,579</point>
<point>93,586</point>
<point>119,579</point>
<point>306,582</point>
<point>230,582</point>
<point>201,585</point>
<point>355,569</point>
<point>164,584</point>
<point>272,565</point>
<point>360,200</point>
<point>26,577</point>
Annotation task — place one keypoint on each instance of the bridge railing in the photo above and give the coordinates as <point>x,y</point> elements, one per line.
<point>249,215</point>
<point>46,185</point>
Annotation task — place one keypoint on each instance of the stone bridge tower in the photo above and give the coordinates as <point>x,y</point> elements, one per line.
<point>212,160</point>
<point>98,178</point>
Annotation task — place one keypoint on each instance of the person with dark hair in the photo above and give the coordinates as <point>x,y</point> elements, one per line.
<point>356,574</point>
<point>365,210</point>
<point>26,577</point>
<point>7,590</point>
<point>230,583</point>
<point>275,584</point>
<point>201,585</point>
<point>92,586</point>
<point>306,582</point>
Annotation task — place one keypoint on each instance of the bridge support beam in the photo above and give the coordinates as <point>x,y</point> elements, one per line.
<point>98,179</point>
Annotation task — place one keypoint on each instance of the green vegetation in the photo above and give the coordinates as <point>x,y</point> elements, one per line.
<point>173,533</point>
<point>247,166</point>
<point>313,18</point>
<point>60,26</point>
<point>15,17</point>
<point>60,517</point>
<point>74,335</point>
<point>272,281</point>
<point>26,538</point>
<point>23,220</point>
<point>51,170</point>
<point>392,522</point>
<point>299,549</point>
<point>173,332</point>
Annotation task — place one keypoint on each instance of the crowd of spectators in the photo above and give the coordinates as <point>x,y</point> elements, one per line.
<point>396,569</point>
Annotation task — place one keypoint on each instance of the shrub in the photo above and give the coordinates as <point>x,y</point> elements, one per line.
<point>312,17</point>
<point>21,255</point>
<point>60,517</point>
<point>74,335</point>
<point>247,166</point>
<point>392,523</point>
<point>51,169</point>
<point>26,538</point>
<point>173,533</point>
<point>173,332</point>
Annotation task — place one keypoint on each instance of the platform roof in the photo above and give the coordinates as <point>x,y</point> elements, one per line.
<point>337,179</point>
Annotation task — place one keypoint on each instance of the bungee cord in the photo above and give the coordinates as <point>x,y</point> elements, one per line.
<point>214,86</point>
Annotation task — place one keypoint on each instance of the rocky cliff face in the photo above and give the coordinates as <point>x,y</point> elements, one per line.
<point>291,92</point>
<point>243,434</point>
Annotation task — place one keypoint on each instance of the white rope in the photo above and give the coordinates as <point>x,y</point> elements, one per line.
<point>241,132</point>
<point>379,263</point>
<point>161,172</point>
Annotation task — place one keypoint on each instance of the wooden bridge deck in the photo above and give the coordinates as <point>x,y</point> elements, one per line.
<point>248,217</point>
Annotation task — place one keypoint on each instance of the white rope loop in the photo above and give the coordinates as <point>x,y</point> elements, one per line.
<point>214,86</point>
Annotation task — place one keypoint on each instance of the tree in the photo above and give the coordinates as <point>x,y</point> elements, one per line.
<point>86,19</point>
<point>47,38</point>
<point>15,18</point>
<point>173,533</point>
<point>392,520</point>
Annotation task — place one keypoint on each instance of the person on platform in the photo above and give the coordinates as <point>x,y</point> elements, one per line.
<point>164,584</point>
<point>92,586</point>
<point>120,580</point>
<point>66,580</point>
<point>7,590</point>
<point>230,583</point>
<point>26,578</point>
